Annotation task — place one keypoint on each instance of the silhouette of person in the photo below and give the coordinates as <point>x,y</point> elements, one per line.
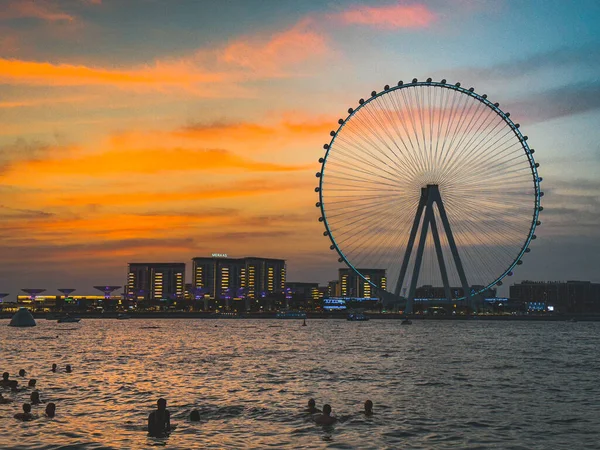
<point>35,398</point>
<point>8,383</point>
<point>326,418</point>
<point>4,401</point>
<point>195,416</point>
<point>26,414</point>
<point>68,368</point>
<point>368,408</point>
<point>22,372</point>
<point>50,410</point>
<point>159,421</point>
<point>54,367</point>
<point>31,383</point>
<point>312,408</point>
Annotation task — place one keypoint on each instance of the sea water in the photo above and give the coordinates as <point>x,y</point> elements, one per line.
<point>435,384</point>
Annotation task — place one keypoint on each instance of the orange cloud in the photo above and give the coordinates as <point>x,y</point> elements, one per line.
<point>24,103</point>
<point>290,128</point>
<point>158,76</point>
<point>225,67</point>
<point>389,17</point>
<point>275,55</point>
<point>138,197</point>
<point>151,161</point>
<point>37,9</point>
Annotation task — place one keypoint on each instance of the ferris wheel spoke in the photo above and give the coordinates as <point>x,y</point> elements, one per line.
<point>407,110</point>
<point>401,113</point>
<point>446,131</point>
<point>375,162</point>
<point>387,111</point>
<point>375,152</point>
<point>473,113</point>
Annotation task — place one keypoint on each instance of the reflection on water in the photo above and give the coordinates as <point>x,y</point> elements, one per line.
<point>434,384</point>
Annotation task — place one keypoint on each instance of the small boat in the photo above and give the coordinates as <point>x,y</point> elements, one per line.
<point>290,315</point>
<point>68,319</point>
<point>406,322</point>
<point>123,316</point>
<point>358,317</point>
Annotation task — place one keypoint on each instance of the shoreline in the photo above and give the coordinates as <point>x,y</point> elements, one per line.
<point>317,316</point>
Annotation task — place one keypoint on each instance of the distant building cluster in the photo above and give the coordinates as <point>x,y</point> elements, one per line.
<point>573,297</point>
<point>221,283</point>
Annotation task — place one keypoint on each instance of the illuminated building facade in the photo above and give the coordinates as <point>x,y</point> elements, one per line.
<point>333,289</point>
<point>227,278</point>
<point>351,285</point>
<point>307,291</point>
<point>156,281</point>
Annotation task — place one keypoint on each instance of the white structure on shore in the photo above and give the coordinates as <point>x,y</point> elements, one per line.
<point>22,318</point>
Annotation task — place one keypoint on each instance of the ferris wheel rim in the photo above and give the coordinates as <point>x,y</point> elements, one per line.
<point>515,128</point>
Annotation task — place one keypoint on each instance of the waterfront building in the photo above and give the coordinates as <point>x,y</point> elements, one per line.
<point>333,289</point>
<point>225,278</point>
<point>437,292</point>
<point>47,303</point>
<point>155,281</point>
<point>352,285</point>
<point>574,297</point>
<point>306,291</point>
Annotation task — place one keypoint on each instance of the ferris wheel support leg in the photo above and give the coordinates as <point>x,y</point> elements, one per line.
<point>419,257</point>
<point>411,242</point>
<point>452,244</point>
<point>440,256</point>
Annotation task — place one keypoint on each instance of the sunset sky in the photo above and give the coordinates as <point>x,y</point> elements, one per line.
<point>148,131</point>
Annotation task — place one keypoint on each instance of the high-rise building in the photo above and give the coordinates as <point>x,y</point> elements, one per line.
<point>156,281</point>
<point>223,277</point>
<point>333,288</point>
<point>352,285</point>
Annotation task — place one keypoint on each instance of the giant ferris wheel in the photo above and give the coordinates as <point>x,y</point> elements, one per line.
<point>433,183</point>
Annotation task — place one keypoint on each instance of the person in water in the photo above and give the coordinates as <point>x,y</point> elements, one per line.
<point>26,414</point>
<point>54,367</point>
<point>35,398</point>
<point>8,383</point>
<point>31,383</point>
<point>195,416</point>
<point>50,410</point>
<point>22,372</point>
<point>68,368</point>
<point>312,408</point>
<point>159,421</point>
<point>368,408</point>
<point>326,418</point>
<point>4,401</point>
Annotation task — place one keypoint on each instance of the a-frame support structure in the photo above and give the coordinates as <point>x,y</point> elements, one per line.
<point>429,196</point>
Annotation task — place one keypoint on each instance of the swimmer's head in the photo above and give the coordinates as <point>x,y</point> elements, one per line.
<point>26,408</point>
<point>50,409</point>
<point>312,403</point>
<point>68,368</point>
<point>195,416</point>
<point>32,383</point>
<point>22,372</point>
<point>54,367</point>
<point>368,406</point>
<point>35,397</point>
<point>326,409</point>
<point>5,376</point>
<point>161,403</point>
